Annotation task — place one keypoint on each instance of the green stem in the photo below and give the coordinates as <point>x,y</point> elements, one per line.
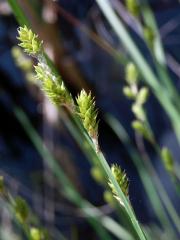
<point>19,14</point>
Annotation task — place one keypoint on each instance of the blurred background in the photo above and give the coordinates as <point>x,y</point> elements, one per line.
<point>87,54</point>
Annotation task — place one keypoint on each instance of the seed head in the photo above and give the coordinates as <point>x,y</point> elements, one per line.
<point>131,73</point>
<point>121,179</point>
<point>142,95</point>
<point>22,60</point>
<point>138,111</point>
<point>97,174</point>
<point>133,7</point>
<point>167,159</point>
<point>35,233</point>
<point>29,41</point>
<point>88,113</point>
<point>21,209</point>
<point>53,86</point>
<point>127,91</point>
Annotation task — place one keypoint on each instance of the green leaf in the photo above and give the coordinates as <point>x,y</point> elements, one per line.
<point>19,14</point>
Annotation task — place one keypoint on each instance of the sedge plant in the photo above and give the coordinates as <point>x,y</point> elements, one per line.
<point>53,87</point>
<point>43,58</point>
<point>83,110</point>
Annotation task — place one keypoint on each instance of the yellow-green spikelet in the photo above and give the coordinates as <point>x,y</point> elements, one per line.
<point>88,112</point>
<point>121,179</point>
<point>29,41</point>
<point>53,86</point>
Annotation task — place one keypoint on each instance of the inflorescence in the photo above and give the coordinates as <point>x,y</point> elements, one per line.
<point>121,179</point>
<point>53,86</point>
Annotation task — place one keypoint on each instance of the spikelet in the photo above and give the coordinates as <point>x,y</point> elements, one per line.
<point>128,92</point>
<point>29,41</point>
<point>21,209</point>
<point>51,84</point>
<point>168,160</point>
<point>53,87</point>
<point>142,95</point>
<point>133,7</point>
<point>22,60</point>
<point>88,113</point>
<point>97,174</point>
<point>35,233</point>
<point>122,181</point>
<point>131,73</point>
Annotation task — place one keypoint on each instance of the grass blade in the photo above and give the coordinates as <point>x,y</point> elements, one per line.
<point>19,14</point>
